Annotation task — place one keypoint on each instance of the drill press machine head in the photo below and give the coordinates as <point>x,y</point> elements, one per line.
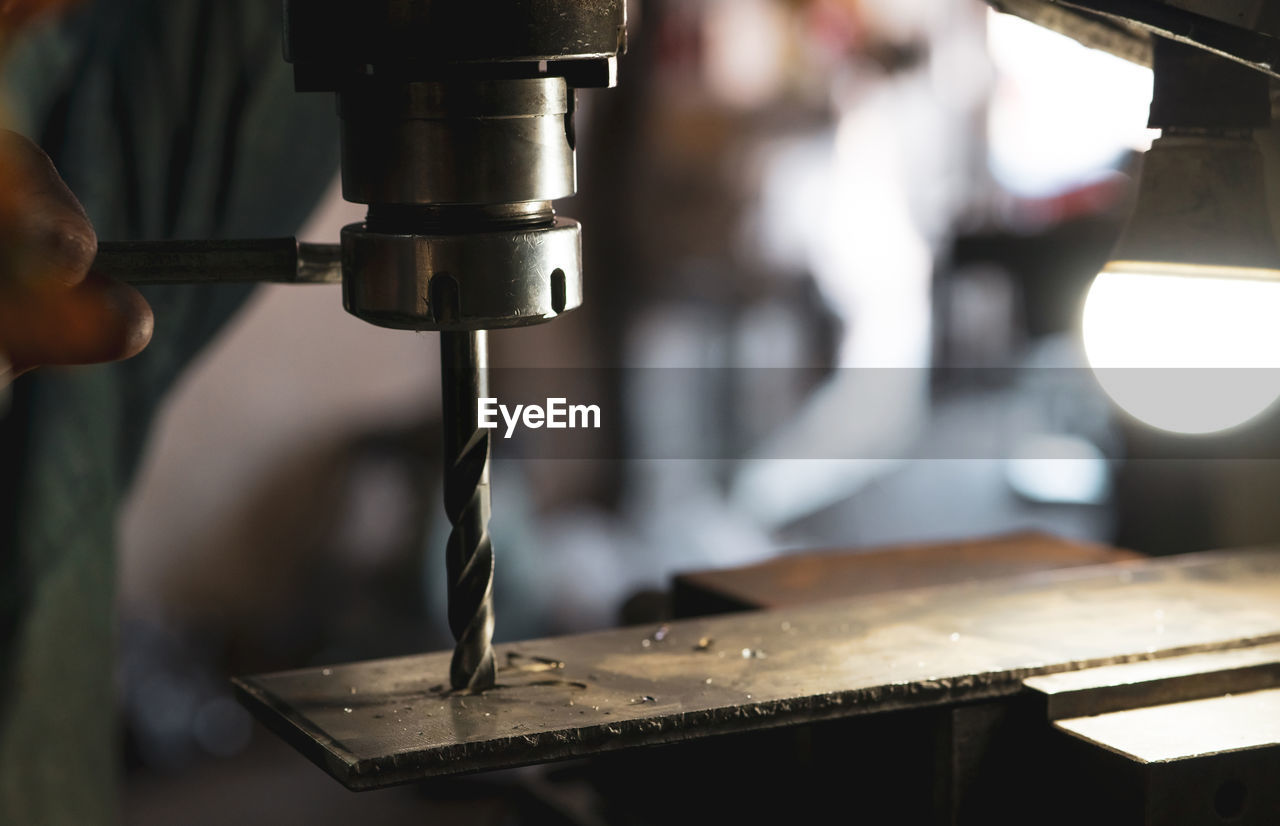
<point>457,132</point>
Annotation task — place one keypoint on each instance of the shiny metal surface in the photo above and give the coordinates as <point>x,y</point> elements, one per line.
<point>1176,679</point>
<point>505,277</point>
<point>805,578</point>
<point>477,141</point>
<point>280,260</point>
<point>1180,731</point>
<point>464,112</point>
<point>383,722</point>
<point>319,263</point>
<point>1201,761</point>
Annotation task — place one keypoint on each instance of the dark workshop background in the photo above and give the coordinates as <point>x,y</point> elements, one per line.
<point>780,195</point>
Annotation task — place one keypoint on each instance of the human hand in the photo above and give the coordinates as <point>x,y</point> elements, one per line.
<point>54,309</point>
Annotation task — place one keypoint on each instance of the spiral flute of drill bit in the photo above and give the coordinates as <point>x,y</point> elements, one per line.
<point>469,554</point>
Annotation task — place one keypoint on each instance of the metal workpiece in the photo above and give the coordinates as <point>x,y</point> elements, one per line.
<point>464,365</point>
<point>462,141</point>
<point>1186,730</point>
<point>278,260</point>
<point>1111,688</point>
<point>383,722</point>
<point>801,578</point>
<point>1209,760</point>
<point>1187,740</point>
<point>485,279</point>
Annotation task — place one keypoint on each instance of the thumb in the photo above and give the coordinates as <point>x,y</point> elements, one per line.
<point>53,308</point>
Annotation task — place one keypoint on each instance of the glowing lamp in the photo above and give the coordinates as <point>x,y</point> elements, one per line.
<point>1182,325</point>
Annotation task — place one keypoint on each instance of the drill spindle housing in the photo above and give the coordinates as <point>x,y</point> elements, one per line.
<point>457,132</point>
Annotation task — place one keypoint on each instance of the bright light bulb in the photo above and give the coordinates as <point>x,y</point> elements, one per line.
<point>1187,349</point>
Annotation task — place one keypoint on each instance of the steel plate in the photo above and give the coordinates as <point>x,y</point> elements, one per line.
<point>378,723</point>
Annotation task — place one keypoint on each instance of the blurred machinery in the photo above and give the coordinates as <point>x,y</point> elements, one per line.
<point>1137,692</point>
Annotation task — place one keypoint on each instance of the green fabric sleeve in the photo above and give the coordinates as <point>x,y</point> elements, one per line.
<point>168,119</point>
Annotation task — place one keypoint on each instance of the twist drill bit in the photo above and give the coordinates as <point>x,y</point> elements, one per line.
<point>469,554</point>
